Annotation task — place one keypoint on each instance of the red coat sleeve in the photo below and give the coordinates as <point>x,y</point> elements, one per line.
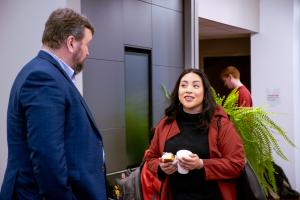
<point>154,152</point>
<point>227,152</point>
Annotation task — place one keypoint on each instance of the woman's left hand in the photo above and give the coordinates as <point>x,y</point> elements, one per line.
<point>191,162</point>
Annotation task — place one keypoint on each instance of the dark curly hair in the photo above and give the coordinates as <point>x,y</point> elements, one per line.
<point>209,103</point>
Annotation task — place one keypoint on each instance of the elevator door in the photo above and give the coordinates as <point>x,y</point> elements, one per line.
<point>137,104</point>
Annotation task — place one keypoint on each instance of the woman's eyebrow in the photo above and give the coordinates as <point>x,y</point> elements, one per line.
<point>196,81</point>
<point>184,81</point>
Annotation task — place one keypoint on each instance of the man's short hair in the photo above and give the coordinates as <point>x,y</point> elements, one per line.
<point>230,70</point>
<point>61,24</point>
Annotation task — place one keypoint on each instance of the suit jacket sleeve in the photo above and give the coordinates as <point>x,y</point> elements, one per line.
<point>45,108</point>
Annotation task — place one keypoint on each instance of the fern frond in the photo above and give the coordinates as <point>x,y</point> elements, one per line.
<point>219,100</point>
<point>257,131</point>
<point>231,100</point>
<point>165,91</point>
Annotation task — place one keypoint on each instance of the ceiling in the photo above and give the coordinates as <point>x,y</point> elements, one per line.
<point>214,30</point>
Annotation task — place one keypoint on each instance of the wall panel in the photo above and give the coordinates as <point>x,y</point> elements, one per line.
<point>171,4</point>
<point>115,155</point>
<point>104,92</point>
<point>106,17</point>
<point>166,76</point>
<point>167,37</point>
<point>134,23</point>
<point>137,17</point>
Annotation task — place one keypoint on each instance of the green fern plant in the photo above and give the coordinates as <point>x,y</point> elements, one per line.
<point>257,131</point>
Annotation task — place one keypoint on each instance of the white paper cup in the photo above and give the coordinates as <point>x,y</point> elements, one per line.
<point>181,170</point>
<point>181,154</point>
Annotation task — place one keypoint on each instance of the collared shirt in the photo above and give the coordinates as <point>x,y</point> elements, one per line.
<point>69,71</point>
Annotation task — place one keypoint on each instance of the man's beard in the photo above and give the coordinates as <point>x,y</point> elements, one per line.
<point>78,67</point>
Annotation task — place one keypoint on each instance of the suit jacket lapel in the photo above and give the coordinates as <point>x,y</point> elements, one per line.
<point>44,55</point>
<point>48,57</point>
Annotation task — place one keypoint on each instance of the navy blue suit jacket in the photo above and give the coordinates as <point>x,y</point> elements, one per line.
<point>55,150</point>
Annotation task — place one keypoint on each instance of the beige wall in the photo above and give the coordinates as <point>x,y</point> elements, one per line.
<point>239,13</point>
<point>223,47</point>
<point>275,71</point>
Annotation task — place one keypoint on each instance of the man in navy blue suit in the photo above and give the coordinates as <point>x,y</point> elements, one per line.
<point>55,150</point>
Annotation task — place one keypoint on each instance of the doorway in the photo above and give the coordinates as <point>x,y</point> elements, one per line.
<point>221,45</point>
<point>214,65</point>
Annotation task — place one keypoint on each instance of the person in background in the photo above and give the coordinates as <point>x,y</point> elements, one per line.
<point>55,150</point>
<point>231,78</point>
<point>217,155</point>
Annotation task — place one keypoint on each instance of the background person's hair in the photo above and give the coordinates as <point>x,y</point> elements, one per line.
<point>230,70</point>
<point>61,24</point>
<point>209,103</point>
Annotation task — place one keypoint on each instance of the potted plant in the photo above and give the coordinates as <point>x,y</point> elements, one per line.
<point>257,131</point>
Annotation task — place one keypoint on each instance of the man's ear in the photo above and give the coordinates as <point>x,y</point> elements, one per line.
<point>70,43</point>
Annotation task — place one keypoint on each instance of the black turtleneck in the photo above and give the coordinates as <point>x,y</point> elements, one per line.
<point>193,137</point>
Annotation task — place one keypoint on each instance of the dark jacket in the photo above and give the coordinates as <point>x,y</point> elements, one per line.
<point>55,150</point>
<point>227,156</point>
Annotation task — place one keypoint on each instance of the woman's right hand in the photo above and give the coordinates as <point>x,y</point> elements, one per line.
<point>168,167</point>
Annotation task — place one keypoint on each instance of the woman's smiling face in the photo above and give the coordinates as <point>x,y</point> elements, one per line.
<point>191,93</point>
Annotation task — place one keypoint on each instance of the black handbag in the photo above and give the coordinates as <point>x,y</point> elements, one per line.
<point>248,186</point>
